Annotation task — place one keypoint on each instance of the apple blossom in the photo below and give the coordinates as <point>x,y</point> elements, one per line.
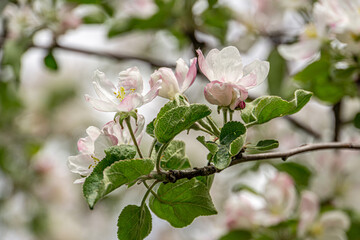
<point>229,80</point>
<point>177,83</point>
<point>92,147</point>
<point>329,225</point>
<point>280,200</point>
<point>124,97</point>
<point>240,213</point>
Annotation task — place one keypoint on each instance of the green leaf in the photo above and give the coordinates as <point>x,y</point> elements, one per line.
<point>150,128</point>
<point>181,202</point>
<point>215,21</point>
<point>222,158</point>
<point>207,180</point>
<point>237,235</point>
<point>231,131</point>
<point>357,121</point>
<point>174,156</point>
<point>264,145</point>
<point>237,145</point>
<point>134,223</point>
<point>298,172</point>
<point>211,146</point>
<point>277,73</point>
<point>50,61</point>
<point>178,119</point>
<point>98,184</point>
<point>325,81</point>
<point>177,102</point>
<point>212,3</point>
<point>263,109</point>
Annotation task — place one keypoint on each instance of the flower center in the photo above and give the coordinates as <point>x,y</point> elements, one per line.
<point>310,31</point>
<point>96,161</point>
<point>122,93</point>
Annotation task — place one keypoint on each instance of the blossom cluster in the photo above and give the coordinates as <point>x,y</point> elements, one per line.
<point>228,87</point>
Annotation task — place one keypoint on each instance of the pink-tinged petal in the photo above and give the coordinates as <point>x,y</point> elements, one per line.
<point>101,79</point>
<point>309,210</point>
<point>130,102</point>
<point>240,213</point>
<point>181,71</point>
<point>104,95</point>
<point>335,220</point>
<point>169,85</point>
<point>219,93</point>
<point>254,74</point>
<point>139,128</point>
<point>204,66</point>
<point>131,79</point>
<point>190,76</point>
<point>154,91</point>
<point>227,65</point>
<point>239,95</point>
<point>85,145</point>
<point>300,50</point>
<point>93,132</point>
<point>80,164</point>
<point>101,105</point>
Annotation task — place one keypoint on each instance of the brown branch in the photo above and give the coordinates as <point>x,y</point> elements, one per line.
<point>303,127</point>
<point>337,121</point>
<point>119,57</point>
<point>174,175</point>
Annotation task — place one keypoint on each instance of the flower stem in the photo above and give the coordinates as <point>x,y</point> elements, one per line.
<point>231,115</point>
<point>225,115</point>
<point>152,147</point>
<point>127,120</point>
<point>158,159</point>
<point>215,129</point>
<point>148,191</point>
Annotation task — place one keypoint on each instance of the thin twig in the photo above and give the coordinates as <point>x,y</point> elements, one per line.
<point>337,121</point>
<point>120,57</point>
<point>174,175</point>
<point>302,127</point>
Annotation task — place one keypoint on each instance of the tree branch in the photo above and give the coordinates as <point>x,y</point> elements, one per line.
<point>120,57</point>
<point>174,175</point>
<point>302,127</point>
<point>337,121</point>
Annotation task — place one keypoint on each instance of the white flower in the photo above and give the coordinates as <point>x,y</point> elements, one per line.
<point>92,147</point>
<point>177,83</point>
<point>229,80</point>
<point>124,97</point>
<point>330,225</point>
<point>240,213</point>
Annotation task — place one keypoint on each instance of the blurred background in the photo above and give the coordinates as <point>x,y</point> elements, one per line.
<point>49,50</point>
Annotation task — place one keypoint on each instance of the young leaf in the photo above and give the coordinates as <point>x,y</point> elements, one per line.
<point>211,146</point>
<point>263,109</point>
<point>134,223</point>
<point>105,177</point>
<point>222,158</point>
<point>237,145</point>
<point>207,180</point>
<point>150,128</point>
<point>174,156</point>
<point>177,120</point>
<point>231,131</point>
<point>179,101</point>
<point>50,61</point>
<point>264,145</point>
<point>181,202</point>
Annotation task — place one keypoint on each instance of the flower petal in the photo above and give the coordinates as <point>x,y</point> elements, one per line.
<point>254,73</point>
<point>101,105</point>
<point>309,209</point>
<point>80,164</point>
<point>190,76</point>
<point>204,66</point>
<point>227,64</point>
<point>130,102</point>
<point>181,71</point>
<point>300,50</point>
<point>154,91</point>
<point>169,85</point>
<point>131,79</point>
<point>335,220</point>
<point>219,93</point>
